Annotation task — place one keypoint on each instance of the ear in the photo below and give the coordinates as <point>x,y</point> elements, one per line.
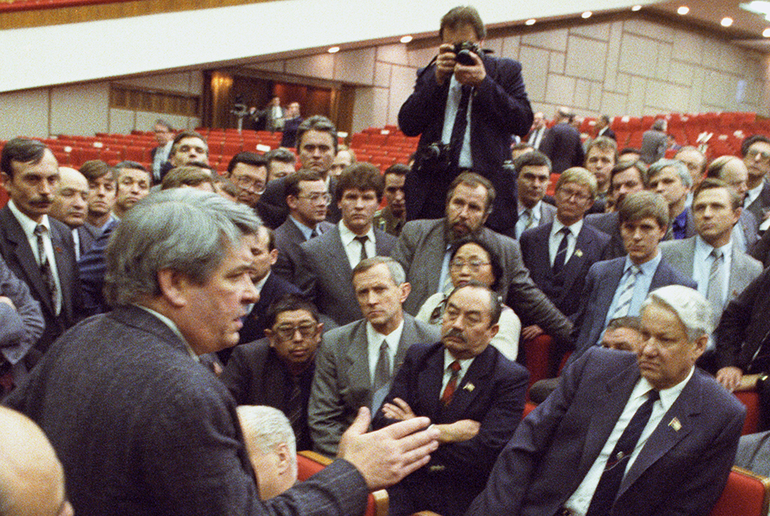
<point>406,289</point>
<point>737,215</point>
<point>173,287</point>
<point>493,330</point>
<point>283,459</point>
<point>6,179</point>
<point>273,256</point>
<point>291,202</point>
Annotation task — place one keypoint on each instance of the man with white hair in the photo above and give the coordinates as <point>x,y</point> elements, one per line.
<point>624,433</point>
<point>271,447</point>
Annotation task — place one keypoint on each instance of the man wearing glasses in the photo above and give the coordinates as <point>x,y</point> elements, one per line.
<point>756,155</point>
<point>278,369</point>
<point>248,171</point>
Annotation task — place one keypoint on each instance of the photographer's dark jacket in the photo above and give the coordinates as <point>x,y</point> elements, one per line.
<point>499,108</point>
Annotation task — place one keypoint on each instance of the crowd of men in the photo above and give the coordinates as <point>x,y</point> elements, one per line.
<point>177,335</point>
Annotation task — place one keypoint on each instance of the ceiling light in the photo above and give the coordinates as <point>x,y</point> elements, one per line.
<point>333,50</point>
<point>760,7</point>
<point>766,33</point>
<point>531,21</point>
<point>406,39</point>
<point>586,15</point>
<point>683,10</point>
<point>726,21</point>
<point>636,8</point>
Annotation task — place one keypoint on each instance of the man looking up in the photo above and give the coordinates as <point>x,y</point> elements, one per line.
<point>478,131</point>
<point>673,181</point>
<point>392,217</point>
<point>356,362</point>
<point>533,175</point>
<point>70,203</point>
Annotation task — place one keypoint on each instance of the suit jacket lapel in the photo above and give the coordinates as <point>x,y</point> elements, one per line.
<point>408,337</point>
<point>429,381</point>
<point>64,261</point>
<point>358,361</point>
<point>466,391</point>
<point>338,258</point>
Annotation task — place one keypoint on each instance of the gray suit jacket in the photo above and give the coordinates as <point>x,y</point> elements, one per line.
<point>680,254</point>
<point>325,275</point>
<point>146,430</point>
<point>547,214</point>
<point>342,383</point>
<point>421,248</point>
<point>762,201</point>
<point>288,238</point>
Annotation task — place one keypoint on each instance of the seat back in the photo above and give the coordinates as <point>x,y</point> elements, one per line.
<point>746,494</point>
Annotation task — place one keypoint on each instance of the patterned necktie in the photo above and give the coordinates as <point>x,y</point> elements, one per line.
<point>561,253</point>
<point>460,124</point>
<point>624,301</point>
<point>45,266</point>
<point>609,483</point>
<point>294,408</point>
<point>362,240</point>
<point>449,390</point>
<point>716,280</point>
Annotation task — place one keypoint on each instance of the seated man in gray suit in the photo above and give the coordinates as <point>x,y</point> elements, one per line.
<point>423,251</point>
<point>327,262</point>
<point>533,175</point>
<point>356,362</point>
<point>144,428</point>
<point>712,259</point>
<point>631,434</point>
<point>617,287</point>
<point>734,173</point>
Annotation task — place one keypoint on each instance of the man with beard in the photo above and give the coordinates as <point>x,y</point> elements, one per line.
<point>423,251</point>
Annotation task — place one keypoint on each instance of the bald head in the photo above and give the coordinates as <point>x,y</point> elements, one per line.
<point>70,201</point>
<point>31,477</point>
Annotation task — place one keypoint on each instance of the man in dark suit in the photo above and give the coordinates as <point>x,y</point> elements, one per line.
<point>101,198</point>
<point>478,131</point>
<point>563,282</point>
<point>755,151</point>
<point>533,175</point>
<point>164,134</point>
<point>145,428</point>
<point>38,249</point>
<point>617,287</point>
<point>470,391</point>
<point>277,370</point>
<point>423,251</point>
<point>248,171</point>
<point>562,143</point>
<point>603,127</point>
<point>316,148</point>
<point>625,434</point>
<point>327,261</point>
<point>356,362</point>
<point>70,204</point>
<point>308,200</point>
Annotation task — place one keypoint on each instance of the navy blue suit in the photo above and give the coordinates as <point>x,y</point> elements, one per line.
<point>491,392</point>
<point>601,283</point>
<point>562,144</point>
<point>681,469</point>
<point>499,108</point>
<point>565,289</point>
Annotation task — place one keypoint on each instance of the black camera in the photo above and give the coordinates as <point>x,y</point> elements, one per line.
<point>463,51</point>
<point>433,158</point>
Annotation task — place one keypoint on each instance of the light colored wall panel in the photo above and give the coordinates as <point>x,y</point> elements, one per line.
<point>170,82</point>
<point>382,73</point>
<point>663,66</point>
<point>551,39</point>
<point>600,31</point>
<point>585,58</point>
<point>688,46</point>
<point>613,55</point>
<point>637,56</point>
<point>681,72</point>
<point>582,92</point>
<point>614,104</point>
<point>556,63</point>
<point>320,66</point>
<point>79,109</point>
<point>534,63</point>
<point>421,57</point>
<point>380,107</point>
<point>122,121</point>
<point>356,66</point>
<point>560,90</point>
<point>636,95</point>
<point>25,113</point>
<point>401,86</point>
<point>362,112</point>
<point>511,47</point>
<point>395,54</point>
<point>595,97</point>
<point>666,96</point>
<point>650,30</point>
<point>271,66</point>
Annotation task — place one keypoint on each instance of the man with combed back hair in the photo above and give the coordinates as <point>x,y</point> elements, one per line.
<point>140,425</point>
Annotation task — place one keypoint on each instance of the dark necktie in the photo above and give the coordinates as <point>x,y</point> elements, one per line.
<point>461,122</point>
<point>313,233</point>
<point>362,240</point>
<point>294,408</point>
<point>607,490</point>
<point>451,386</point>
<point>45,266</point>
<point>561,253</point>
<point>382,369</point>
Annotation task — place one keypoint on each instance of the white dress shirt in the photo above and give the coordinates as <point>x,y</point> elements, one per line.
<point>353,247</point>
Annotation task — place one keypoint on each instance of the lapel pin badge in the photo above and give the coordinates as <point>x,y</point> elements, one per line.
<point>469,387</point>
<point>675,424</point>
<point>578,253</point>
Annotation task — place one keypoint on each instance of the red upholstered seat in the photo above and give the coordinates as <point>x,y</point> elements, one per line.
<point>746,494</point>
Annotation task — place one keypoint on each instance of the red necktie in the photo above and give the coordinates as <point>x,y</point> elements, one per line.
<point>449,390</point>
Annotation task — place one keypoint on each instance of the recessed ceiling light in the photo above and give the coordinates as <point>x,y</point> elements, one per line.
<point>766,33</point>
<point>334,50</point>
<point>531,21</point>
<point>586,15</point>
<point>726,21</point>
<point>406,39</point>
<point>683,10</point>
<point>761,7</point>
<point>636,8</point>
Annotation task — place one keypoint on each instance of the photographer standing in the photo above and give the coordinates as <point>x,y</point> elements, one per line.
<point>465,105</point>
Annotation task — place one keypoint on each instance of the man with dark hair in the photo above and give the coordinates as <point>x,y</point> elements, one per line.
<point>673,181</point>
<point>277,369</point>
<point>392,217</point>
<point>146,429</point>
<point>37,248</point>
<point>248,171</point>
<point>533,175</point>
<point>101,199</point>
<point>603,128</point>
<point>562,143</point>
<point>164,134</point>
<point>601,157</point>
<point>423,250</point>
<point>186,147</point>
<point>280,163</point>
<point>654,142</point>
<point>327,261</point>
<point>291,123</point>
<point>317,147</point>
<point>356,362</point>
<point>478,133</point>
<point>471,392</point>
<point>617,287</point>
<point>755,151</point>
<point>308,200</point>
<point>133,184</point>
<point>188,176</point>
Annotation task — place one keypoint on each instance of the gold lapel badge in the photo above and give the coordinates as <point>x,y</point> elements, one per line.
<point>675,424</point>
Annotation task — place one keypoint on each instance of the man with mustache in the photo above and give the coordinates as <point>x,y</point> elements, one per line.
<point>471,393</point>
<point>38,249</point>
